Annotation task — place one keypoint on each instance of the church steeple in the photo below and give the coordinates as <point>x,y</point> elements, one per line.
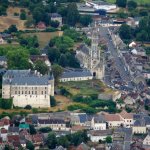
<point>94,51</point>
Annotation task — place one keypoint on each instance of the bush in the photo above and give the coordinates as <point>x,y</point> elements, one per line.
<point>45,130</point>
<point>28,107</point>
<point>52,101</point>
<point>6,103</point>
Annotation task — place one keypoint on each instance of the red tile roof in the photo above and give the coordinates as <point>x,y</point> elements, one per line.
<point>13,138</point>
<point>126,115</point>
<point>112,117</point>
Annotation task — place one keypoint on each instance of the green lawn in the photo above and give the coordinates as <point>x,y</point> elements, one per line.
<point>85,87</point>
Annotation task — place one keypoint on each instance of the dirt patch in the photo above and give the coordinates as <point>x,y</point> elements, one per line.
<point>6,21</point>
<point>44,37</point>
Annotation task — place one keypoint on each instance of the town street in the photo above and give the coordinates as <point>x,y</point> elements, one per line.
<point>120,66</point>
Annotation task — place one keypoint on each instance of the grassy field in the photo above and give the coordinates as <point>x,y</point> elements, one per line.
<point>44,37</point>
<point>6,21</point>
<point>86,87</point>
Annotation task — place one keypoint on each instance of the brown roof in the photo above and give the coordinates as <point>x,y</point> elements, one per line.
<point>37,138</point>
<point>39,57</point>
<point>77,128</point>
<point>112,117</point>
<point>41,25</point>
<point>126,115</point>
<point>100,132</point>
<point>13,138</point>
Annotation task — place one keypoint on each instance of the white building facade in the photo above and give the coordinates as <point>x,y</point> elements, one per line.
<point>27,88</point>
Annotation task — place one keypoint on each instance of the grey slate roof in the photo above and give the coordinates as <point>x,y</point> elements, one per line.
<point>84,49</point>
<point>76,73</point>
<point>141,120</point>
<point>23,77</point>
<point>83,118</point>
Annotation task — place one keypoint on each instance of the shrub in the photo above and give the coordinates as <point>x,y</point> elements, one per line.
<point>28,107</point>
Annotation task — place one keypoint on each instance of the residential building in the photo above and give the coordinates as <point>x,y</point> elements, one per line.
<point>113,120</point>
<point>55,124</point>
<point>96,136</point>
<point>1,40</point>
<point>56,17</point>
<point>3,134</point>
<point>76,75</point>
<point>28,87</point>
<point>141,123</point>
<point>98,123</point>
<point>127,118</point>
<point>110,96</point>
<point>44,58</point>
<point>41,26</point>
<point>146,141</point>
<point>3,61</point>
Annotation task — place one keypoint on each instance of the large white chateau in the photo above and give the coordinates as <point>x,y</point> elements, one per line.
<point>90,57</point>
<point>28,87</point>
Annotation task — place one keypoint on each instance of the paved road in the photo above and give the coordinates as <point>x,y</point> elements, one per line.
<point>120,66</point>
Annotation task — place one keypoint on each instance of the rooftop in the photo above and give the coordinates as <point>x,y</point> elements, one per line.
<point>22,77</point>
<point>76,73</point>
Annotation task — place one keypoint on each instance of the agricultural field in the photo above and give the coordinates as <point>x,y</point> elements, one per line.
<point>86,87</point>
<point>44,37</point>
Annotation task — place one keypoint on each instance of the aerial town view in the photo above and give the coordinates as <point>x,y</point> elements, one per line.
<point>74,74</point>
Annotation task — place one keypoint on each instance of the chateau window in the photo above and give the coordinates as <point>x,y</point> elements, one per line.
<point>19,92</point>
<point>29,92</point>
<point>15,92</point>
<point>32,92</point>
<point>25,92</point>
<point>35,88</point>
<point>45,92</point>
<point>42,92</point>
<point>45,88</point>
<point>22,92</point>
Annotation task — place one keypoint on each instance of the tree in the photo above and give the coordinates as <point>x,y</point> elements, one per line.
<point>57,72</point>
<point>30,145</point>
<point>63,60</point>
<point>32,129</point>
<point>53,54</point>
<point>23,15</point>
<point>7,147</point>
<point>85,20</point>
<point>51,140</point>
<point>143,13</point>
<point>45,130</point>
<point>121,3</point>
<point>52,101</point>
<point>54,24</point>
<point>6,103</point>
<point>108,139</point>
<point>125,32</point>
<point>18,59</point>
<point>72,14</point>
<point>63,141</point>
<point>132,4</point>
<point>12,29</point>
<point>30,22</point>
<point>28,107</point>
<point>41,67</point>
